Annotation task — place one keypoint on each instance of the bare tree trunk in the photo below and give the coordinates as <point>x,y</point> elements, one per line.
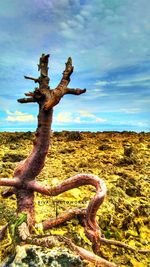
<point>32,166</point>
<point>28,169</point>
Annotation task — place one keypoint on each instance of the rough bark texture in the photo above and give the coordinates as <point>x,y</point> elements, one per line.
<point>23,183</point>
<point>91,227</point>
<point>28,169</point>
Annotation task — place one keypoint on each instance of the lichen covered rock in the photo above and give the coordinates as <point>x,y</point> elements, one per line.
<point>34,256</point>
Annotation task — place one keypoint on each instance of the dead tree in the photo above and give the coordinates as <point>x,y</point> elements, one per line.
<point>24,184</point>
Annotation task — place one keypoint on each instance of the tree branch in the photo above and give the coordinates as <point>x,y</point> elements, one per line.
<point>51,97</point>
<point>70,183</point>
<point>144,251</point>
<point>88,255</point>
<point>116,243</point>
<point>8,192</point>
<point>36,80</point>
<point>61,89</point>
<point>123,245</point>
<point>9,182</point>
<point>76,91</point>
<point>58,93</point>
<point>91,227</point>
<point>43,65</point>
<point>30,94</point>
<point>66,74</point>
<point>26,100</point>
<point>47,224</point>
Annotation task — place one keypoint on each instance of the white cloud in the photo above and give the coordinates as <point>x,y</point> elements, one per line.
<point>100,120</point>
<point>129,81</point>
<point>135,123</point>
<point>78,120</point>
<point>64,117</point>
<point>130,110</point>
<point>102,83</point>
<point>83,116</point>
<point>110,34</point>
<point>97,90</point>
<point>18,116</point>
<point>87,114</point>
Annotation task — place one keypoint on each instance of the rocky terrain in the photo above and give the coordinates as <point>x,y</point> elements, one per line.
<point>121,159</point>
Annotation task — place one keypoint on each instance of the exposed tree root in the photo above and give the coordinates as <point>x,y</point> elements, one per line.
<point>70,214</point>
<point>83,253</point>
<point>123,245</point>
<point>91,227</point>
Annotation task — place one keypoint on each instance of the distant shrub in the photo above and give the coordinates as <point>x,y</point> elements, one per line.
<point>104,147</point>
<point>74,136</point>
<point>141,139</point>
<point>106,140</point>
<point>82,146</point>
<point>126,161</point>
<point>17,136</point>
<point>83,164</point>
<point>57,133</point>
<point>13,138</point>
<point>67,150</point>
<point>129,151</point>
<point>28,135</point>
<point>8,165</point>
<point>130,156</point>
<point>13,157</point>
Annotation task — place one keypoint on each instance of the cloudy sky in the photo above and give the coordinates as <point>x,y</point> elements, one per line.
<point>109,42</point>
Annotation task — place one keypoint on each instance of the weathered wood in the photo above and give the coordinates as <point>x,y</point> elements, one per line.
<point>27,170</point>
<point>91,226</point>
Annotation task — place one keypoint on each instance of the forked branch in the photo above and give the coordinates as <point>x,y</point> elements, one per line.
<point>50,97</point>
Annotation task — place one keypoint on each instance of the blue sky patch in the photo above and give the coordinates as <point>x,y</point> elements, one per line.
<point>108,41</point>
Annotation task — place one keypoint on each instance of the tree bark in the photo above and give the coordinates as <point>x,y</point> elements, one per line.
<point>24,183</point>
<point>28,169</point>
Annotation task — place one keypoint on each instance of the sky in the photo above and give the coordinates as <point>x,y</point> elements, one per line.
<point>109,42</point>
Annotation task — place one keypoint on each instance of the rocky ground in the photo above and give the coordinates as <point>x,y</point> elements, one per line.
<point>121,159</point>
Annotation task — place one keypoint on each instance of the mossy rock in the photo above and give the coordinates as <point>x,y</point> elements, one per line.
<point>31,256</point>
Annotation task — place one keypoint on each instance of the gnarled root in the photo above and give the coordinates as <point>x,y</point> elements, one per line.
<point>123,245</point>
<point>91,227</point>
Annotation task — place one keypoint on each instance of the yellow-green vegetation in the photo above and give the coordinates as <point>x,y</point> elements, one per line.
<point>121,159</point>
